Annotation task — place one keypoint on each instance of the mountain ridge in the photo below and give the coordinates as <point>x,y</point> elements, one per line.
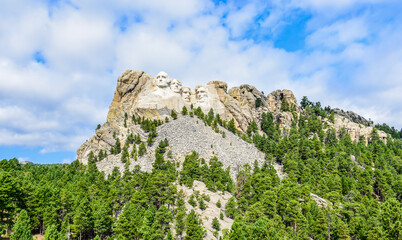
<point>138,94</point>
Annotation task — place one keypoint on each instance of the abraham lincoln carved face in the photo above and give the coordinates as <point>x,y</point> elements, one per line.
<point>202,94</point>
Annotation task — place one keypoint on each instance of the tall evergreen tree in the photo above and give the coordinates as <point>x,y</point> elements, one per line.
<point>194,230</point>
<point>22,227</point>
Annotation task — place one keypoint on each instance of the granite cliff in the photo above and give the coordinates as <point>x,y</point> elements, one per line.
<point>138,94</point>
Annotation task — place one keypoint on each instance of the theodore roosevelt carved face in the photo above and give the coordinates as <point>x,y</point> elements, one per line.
<point>175,85</point>
<point>185,93</point>
<point>162,80</point>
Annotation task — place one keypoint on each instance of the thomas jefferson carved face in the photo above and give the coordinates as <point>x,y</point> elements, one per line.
<point>175,85</point>
<point>162,80</point>
<point>185,93</point>
<point>202,94</point>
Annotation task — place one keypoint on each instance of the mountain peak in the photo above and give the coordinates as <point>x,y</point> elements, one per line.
<point>140,94</point>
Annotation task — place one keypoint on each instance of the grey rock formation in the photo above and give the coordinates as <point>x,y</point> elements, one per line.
<point>354,117</point>
<point>140,94</point>
<point>355,130</point>
<point>321,202</point>
<point>275,99</point>
<point>185,134</point>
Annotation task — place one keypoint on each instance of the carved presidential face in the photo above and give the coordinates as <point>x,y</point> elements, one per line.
<point>162,80</point>
<point>185,93</point>
<point>175,85</point>
<point>202,94</point>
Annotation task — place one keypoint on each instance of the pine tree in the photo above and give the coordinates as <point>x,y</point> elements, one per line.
<point>128,225</point>
<point>142,149</point>
<point>321,226</point>
<point>230,208</point>
<point>184,110</point>
<point>102,220</point>
<point>285,105</point>
<point>215,224</point>
<point>219,204</point>
<point>161,224</point>
<point>391,217</point>
<point>202,204</point>
<point>231,126</point>
<point>173,115</point>
<point>83,220</point>
<point>259,230</point>
<point>194,230</point>
<point>22,227</point>
<point>180,215</point>
<point>51,233</point>
<point>9,196</point>
<point>258,102</point>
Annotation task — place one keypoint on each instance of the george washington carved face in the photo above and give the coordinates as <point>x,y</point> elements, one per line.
<point>162,80</point>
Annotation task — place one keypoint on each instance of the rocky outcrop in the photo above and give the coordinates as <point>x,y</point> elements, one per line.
<point>354,117</point>
<point>355,130</point>
<point>140,94</point>
<point>129,85</point>
<point>321,202</point>
<point>276,98</point>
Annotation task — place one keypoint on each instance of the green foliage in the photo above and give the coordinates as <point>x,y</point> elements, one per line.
<point>252,128</point>
<point>285,107</point>
<point>142,149</point>
<point>194,230</point>
<point>230,208</point>
<point>201,203</point>
<point>218,203</point>
<point>180,212</point>
<point>192,201</point>
<point>173,114</point>
<point>231,126</point>
<point>184,110</point>
<point>214,177</point>
<point>170,154</point>
<point>305,102</point>
<point>117,147</point>
<point>215,224</point>
<point>22,227</point>
<point>52,233</point>
<point>331,117</point>
<point>258,102</point>
<point>390,130</point>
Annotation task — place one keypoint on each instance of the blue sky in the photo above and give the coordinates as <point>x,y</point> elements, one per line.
<point>59,60</point>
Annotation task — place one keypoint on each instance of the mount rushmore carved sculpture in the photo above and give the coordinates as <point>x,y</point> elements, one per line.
<point>140,94</point>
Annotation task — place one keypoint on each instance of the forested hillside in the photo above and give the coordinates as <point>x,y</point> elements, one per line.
<point>361,183</point>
